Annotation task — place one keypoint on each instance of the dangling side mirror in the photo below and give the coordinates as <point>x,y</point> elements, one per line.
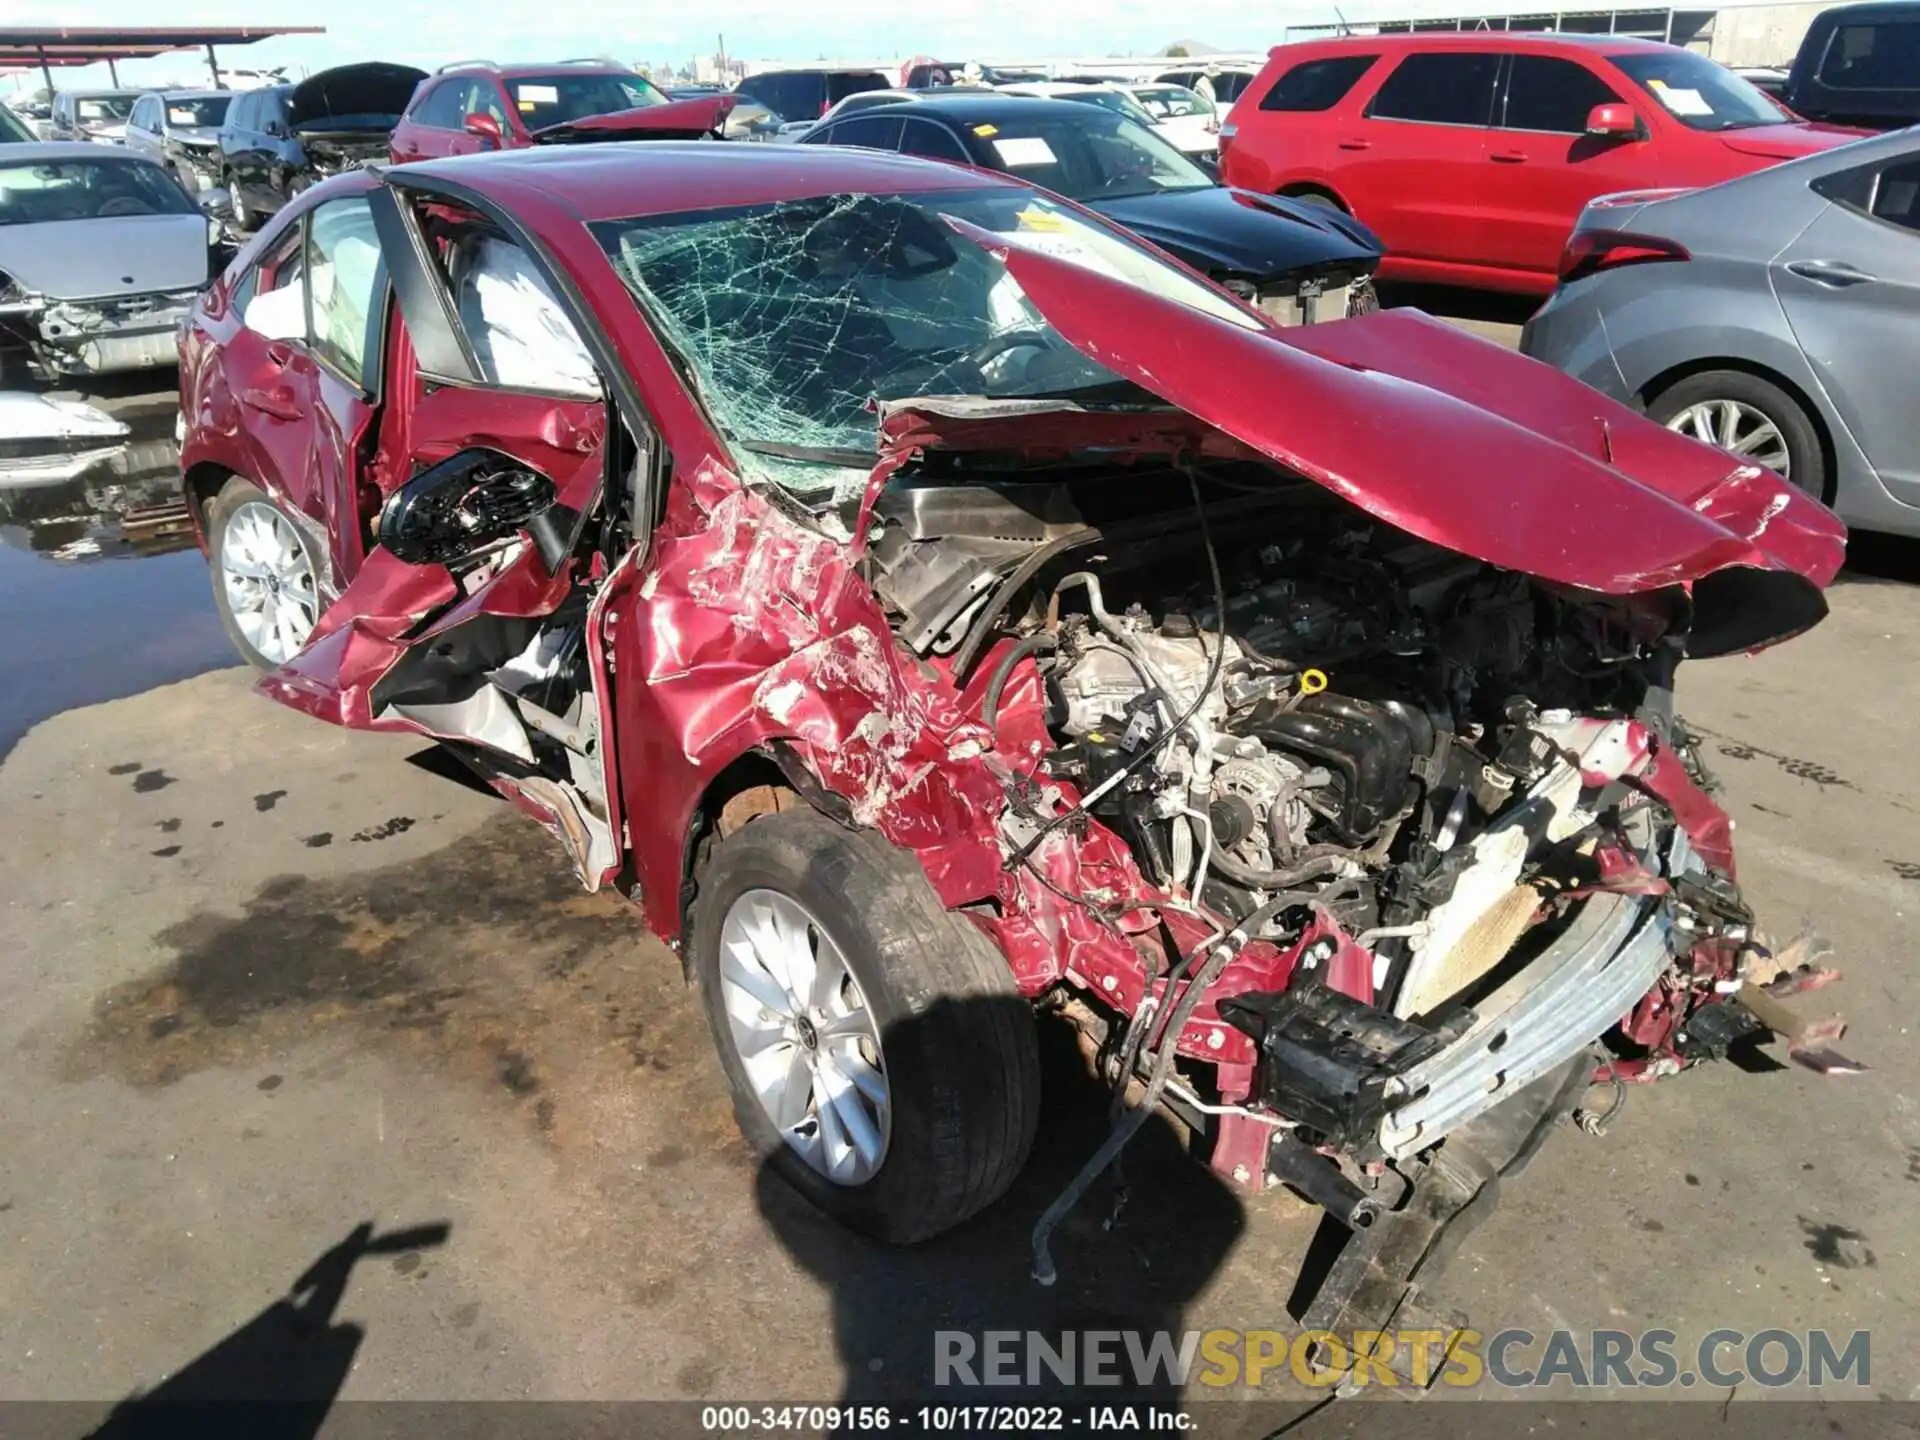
<point>452,511</point>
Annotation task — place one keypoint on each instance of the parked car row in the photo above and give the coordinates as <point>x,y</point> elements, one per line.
<point>1466,159</point>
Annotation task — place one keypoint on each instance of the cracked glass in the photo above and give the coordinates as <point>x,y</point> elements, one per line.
<point>793,320</point>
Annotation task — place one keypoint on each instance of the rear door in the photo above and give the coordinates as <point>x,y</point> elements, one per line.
<point>1414,165</point>
<point>1543,167</point>
<point>1850,286</point>
<point>305,363</point>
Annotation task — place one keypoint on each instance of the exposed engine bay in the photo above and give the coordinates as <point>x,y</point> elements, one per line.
<point>63,338</point>
<point>1446,794</point>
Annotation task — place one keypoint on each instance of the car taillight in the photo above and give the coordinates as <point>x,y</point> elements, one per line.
<point>1227,131</point>
<point>1589,252</point>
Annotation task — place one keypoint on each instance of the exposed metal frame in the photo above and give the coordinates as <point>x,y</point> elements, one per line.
<point>64,47</point>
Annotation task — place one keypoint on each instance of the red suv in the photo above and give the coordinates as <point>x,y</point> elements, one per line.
<point>1471,155</point>
<point>467,108</point>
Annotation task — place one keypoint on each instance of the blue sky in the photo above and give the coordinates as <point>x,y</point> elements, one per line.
<point>426,32</point>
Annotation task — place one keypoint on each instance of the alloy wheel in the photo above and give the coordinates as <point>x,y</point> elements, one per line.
<point>805,1036</point>
<point>1738,428</point>
<point>269,581</point>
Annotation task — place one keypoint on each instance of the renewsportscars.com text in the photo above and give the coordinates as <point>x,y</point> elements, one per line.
<point>1513,1358</point>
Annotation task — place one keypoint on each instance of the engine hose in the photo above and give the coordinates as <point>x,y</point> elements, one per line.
<point>1129,1123</point>
<point>1315,862</point>
<point>1224,949</point>
<point>1002,672</point>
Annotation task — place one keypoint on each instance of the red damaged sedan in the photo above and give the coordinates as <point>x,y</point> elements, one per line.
<point>923,598</point>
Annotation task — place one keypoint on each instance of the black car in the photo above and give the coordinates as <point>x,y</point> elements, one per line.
<point>1859,65</point>
<point>280,140</point>
<point>1298,262</point>
<point>796,96</point>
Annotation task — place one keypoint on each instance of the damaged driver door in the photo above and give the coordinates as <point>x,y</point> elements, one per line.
<point>469,618</point>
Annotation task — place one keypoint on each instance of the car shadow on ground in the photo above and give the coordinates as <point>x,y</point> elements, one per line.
<point>1881,560</point>
<point>1129,1260</point>
<point>276,1376</point>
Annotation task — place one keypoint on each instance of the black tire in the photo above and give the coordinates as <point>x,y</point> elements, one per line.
<point>1315,197</point>
<point>1806,460</point>
<point>961,1057</point>
<point>235,493</point>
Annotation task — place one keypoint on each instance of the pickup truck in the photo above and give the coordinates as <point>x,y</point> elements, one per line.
<point>1859,65</point>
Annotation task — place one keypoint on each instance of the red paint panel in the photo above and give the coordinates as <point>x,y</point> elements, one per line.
<point>1507,463</point>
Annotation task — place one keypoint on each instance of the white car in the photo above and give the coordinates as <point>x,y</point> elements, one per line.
<point>1184,119</point>
<point>1107,97</point>
<point>1220,84</point>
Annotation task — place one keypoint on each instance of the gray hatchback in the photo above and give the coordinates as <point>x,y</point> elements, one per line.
<point>1776,316</point>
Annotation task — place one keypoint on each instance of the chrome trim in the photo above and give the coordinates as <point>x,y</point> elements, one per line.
<point>1583,984</point>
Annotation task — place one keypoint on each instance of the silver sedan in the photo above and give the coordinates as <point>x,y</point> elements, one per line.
<point>1776,316</point>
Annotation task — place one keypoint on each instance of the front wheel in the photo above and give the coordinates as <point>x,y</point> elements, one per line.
<point>1750,418</point>
<point>879,1056</point>
<point>265,581</point>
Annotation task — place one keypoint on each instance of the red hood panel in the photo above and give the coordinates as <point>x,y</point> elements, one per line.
<point>1789,142</point>
<point>678,119</point>
<point>1449,437</point>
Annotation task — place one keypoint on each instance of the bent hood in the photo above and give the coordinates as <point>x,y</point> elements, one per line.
<point>1458,441</point>
<point>93,259</point>
<point>676,120</point>
<point>374,91</point>
<point>1218,229</point>
<point>1790,140</point>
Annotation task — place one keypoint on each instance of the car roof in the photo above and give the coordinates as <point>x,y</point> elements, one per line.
<point>97,94</point>
<point>1870,10</point>
<point>1474,40</point>
<point>28,151</point>
<point>822,70</point>
<point>191,94</point>
<point>1002,106</point>
<point>564,67</point>
<point>665,177</point>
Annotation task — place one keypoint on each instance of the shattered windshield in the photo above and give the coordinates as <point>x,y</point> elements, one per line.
<point>795,318</point>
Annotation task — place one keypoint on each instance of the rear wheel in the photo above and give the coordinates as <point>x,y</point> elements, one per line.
<point>265,581</point>
<point>244,217</point>
<point>1314,197</point>
<point>879,1055</point>
<point>1748,417</point>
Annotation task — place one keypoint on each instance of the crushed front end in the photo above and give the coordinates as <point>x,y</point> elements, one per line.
<point>104,335</point>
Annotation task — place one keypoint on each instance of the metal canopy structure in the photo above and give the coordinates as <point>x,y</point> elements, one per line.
<point>1674,26</point>
<point>51,47</point>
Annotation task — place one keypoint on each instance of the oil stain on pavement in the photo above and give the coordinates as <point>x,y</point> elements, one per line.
<point>484,960</point>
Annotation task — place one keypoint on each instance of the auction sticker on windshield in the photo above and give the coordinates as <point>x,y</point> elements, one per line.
<point>1018,150</point>
<point>1679,101</point>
